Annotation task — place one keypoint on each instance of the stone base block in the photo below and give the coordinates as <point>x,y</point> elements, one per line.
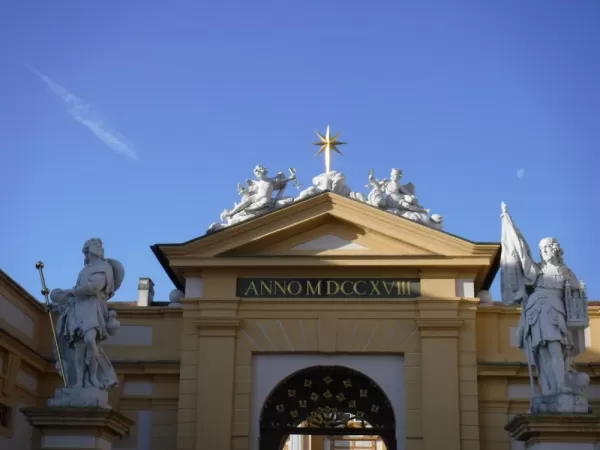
<point>87,397</point>
<point>560,403</point>
<point>78,428</point>
<point>556,431</point>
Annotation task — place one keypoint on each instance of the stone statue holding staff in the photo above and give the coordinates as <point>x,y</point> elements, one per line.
<point>553,319</point>
<point>85,320</point>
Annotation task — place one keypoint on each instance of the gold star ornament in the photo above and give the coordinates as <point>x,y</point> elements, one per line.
<point>328,144</point>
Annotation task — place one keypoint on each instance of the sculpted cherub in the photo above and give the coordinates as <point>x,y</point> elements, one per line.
<point>392,194</point>
<point>257,197</point>
<point>259,194</point>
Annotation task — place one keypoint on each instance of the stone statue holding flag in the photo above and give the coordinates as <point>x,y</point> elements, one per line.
<point>553,319</point>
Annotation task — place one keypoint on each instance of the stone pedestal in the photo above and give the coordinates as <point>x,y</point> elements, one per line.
<point>78,428</point>
<point>556,431</point>
<point>560,403</point>
<point>87,397</point>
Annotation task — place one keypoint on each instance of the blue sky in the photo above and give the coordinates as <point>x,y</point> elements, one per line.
<point>461,95</point>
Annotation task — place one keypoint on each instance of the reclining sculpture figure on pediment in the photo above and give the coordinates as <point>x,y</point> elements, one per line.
<point>400,199</point>
<point>257,197</point>
<point>332,181</point>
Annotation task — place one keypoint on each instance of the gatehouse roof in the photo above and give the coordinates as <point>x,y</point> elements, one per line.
<point>329,230</point>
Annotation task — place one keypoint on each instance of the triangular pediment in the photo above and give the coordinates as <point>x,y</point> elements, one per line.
<point>327,242</point>
<point>327,224</point>
<point>325,231</point>
<point>331,234</point>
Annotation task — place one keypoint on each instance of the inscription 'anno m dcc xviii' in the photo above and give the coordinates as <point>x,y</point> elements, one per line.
<point>327,287</point>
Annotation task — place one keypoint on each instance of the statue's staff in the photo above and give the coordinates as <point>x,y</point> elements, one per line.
<point>45,291</point>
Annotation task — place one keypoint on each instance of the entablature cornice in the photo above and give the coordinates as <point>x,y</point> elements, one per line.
<point>498,309</point>
<point>517,369</point>
<point>217,327</point>
<point>146,312</point>
<point>25,299</point>
<point>26,353</point>
<point>501,369</point>
<point>149,367</point>
<point>440,327</point>
<point>377,260</point>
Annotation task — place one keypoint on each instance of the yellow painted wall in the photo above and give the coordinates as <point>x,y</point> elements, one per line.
<point>185,373</point>
<point>459,361</point>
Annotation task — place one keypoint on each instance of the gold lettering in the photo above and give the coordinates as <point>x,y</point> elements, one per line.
<point>403,288</point>
<point>374,288</point>
<point>281,287</point>
<point>295,283</point>
<point>335,284</point>
<point>264,286</point>
<point>355,288</point>
<point>310,290</point>
<point>251,287</point>
<point>388,286</point>
<point>343,288</point>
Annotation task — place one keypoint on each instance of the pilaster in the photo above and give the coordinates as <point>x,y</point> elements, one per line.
<point>440,382</point>
<point>216,364</point>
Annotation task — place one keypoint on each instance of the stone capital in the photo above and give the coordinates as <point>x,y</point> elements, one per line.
<point>440,328</point>
<point>554,428</point>
<point>217,327</point>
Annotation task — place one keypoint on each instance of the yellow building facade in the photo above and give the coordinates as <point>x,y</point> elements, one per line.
<point>329,320</point>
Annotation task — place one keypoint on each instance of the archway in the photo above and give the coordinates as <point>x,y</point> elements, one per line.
<point>330,400</point>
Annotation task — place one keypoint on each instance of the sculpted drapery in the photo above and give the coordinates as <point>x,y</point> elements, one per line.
<point>85,320</point>
<point>543,332</point>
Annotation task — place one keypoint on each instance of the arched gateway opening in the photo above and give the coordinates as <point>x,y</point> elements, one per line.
<point>329,401</point>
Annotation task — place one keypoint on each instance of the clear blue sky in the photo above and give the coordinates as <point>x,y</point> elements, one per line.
<point>460,95</point>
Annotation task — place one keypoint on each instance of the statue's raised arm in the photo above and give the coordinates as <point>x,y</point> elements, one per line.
<point>517,267</point>
<point>553,319</point>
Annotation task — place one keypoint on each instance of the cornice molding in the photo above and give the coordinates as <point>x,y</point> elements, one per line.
<point>564,428</point>
<point>147,367</point>
<point>517,369</point>
<point>146,312</point>
<point>373,260</point>
<point>20,292</point>
<point>439,328</point>
<point>107,421</point>
<point>217,324</point>
<point>14,345</point>
<point>217,327</point>
<point>440,324</point>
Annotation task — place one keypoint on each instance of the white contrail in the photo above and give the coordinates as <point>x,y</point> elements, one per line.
<point>83,114</point>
